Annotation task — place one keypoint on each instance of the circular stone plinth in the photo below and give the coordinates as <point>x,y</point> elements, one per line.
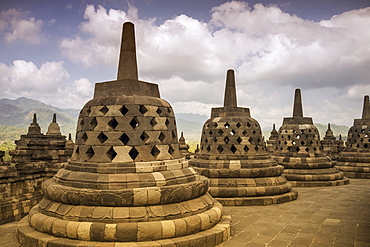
<point>258,200</point>
<point>343,181</point>
<point>29,237</point>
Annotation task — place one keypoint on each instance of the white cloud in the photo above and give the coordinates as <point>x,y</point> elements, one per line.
<point>15,25</point>
<point>49,83</point>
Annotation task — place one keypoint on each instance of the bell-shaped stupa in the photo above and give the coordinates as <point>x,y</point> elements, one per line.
<point>233,156</point>
<point>127,182</point>
<point>354,160</point>
<point>298,150</point>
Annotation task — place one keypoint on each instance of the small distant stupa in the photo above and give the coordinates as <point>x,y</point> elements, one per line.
<point>272,141</point>
<point>354,160</point>
<point>233,156</point>
<point>298,150</point>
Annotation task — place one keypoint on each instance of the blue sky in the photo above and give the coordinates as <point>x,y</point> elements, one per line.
<point>54,51</point>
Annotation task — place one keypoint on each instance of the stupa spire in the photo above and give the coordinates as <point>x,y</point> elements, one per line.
<point>54,118</point>
<point>34,121</point>
<point>366,108</point>
<point>230,90</point>
<point>127,67</point>
<point>297,107</point>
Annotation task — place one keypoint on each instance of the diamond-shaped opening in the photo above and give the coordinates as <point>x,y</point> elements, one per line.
<point>93,123</point>
<point>90,152</point>
<point>153,122</point>
<point>294,131</point>
<point>366,145</point>
<point>124,138</point>
<point>220,149</point>
<point>155,151</point>
<point>206,140</point>
<point>286,131</point>
<point>285,143</point>
<point>288,149</point>
<point>84,137</point>
<point>366,135</point>
<point>161,137</point>
<point>167,123</point>
<point>246,149</point>
<point>311,142</point>
<point>134,123</point>
<point>215,139</point>
<point>362,130</point>
<point>133,153</point>
<point>159,111</point>
<point>208,148</point>
<point>297,149</point>
<point>174,137</point>
<point>251,139</point>
<point>220,132</point>
<point>288,137</point>
<point>302,143</point>
<point>102,137</point>
<point>245,133</point>
<point>210,132</point>
<point>143,109</point>
<point>77,151</point>
<point>281,148</point>
<point>314,148</point>
<point>239,140</point>
<point>123,110</point>
<point>256,148</point>
<point>357,145</point>
<point>111,153</point>
<point>169,110</point>
<point>233,149</point>
<point>307,149</point>
<point>226,140</point>
<point>309,130</point>
<point>248,124</point>
<point>104,110</point>
<point>298,137</point>
<point>201,147</point>
<point>293,142</point>
<point>88,111</point>
<point>258,139</point>
<point>238,125</point>
<point>215,125</point>
<point>171,150</point>
<point>232,132</point>
<point>82,123</point>
<point>362,140</point>
<point>113,123</point>
<point>254,132</point>
<point>227,125</point>
<point>144,136</point>
<point>302,131</point>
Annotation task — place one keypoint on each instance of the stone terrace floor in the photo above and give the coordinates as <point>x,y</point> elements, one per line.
<point>321,216</point>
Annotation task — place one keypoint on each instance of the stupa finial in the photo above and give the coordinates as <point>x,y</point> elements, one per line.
<point>230,90</point>
<point>34,121</point>
<point>297,107</point>
<point>329,126</point>
<point>127,66</point>
<point>366,108</point>
<point>273,127</point>
<point>54,118</point>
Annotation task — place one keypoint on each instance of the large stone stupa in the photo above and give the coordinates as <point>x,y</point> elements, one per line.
<point>354,160</point>
<point>298,150</point>
<point>127,183</point>
<point>233,156</point>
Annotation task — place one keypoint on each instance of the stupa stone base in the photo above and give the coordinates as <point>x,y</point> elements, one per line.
<point>258,200</point>
<point>355,171</point>
<point>343,181</point>
<point>29,237</point>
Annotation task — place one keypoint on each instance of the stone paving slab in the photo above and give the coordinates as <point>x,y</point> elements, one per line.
<point>322,216</point>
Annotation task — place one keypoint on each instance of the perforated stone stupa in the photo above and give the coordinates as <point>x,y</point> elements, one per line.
<point>354,160</point>
<point>233,156</point>
<point>127,182</point>
<point>298,150</point>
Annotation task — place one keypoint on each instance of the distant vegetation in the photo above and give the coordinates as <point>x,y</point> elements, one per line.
<point>6,146</point>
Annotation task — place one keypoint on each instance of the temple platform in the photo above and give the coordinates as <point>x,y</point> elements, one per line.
<point>321,216</point>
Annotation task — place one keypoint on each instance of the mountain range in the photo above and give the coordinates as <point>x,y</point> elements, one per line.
<point>16,116</point>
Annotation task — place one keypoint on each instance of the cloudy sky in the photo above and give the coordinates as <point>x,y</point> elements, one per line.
<point>54,51</point>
